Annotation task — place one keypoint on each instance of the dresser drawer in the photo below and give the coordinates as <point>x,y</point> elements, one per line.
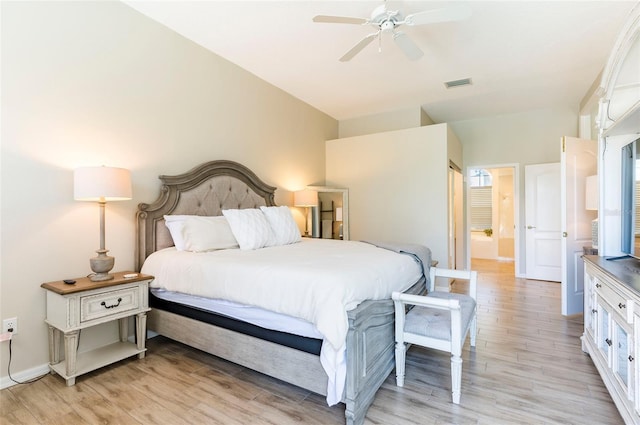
<point>621,305</point>
<point>108,303</point>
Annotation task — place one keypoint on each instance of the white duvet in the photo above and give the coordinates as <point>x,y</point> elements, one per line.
<point>317,280</point>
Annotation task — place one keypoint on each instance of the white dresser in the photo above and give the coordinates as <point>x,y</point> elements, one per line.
<point>612,328</point>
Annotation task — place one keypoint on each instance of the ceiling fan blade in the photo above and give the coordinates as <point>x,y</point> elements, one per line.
<point>358,47</point>
<point>409,48</point>
<point>447,14</point>
<point>339,20</point>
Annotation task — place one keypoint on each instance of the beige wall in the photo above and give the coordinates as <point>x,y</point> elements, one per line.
<point>91,83</point>
<point>531,137</point>
<point>397,184</point>
<point>386,121</point>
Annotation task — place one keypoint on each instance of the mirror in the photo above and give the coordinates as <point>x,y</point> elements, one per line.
<point>330,219</point>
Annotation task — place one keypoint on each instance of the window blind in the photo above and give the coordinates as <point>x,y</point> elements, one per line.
<point>481,201</point>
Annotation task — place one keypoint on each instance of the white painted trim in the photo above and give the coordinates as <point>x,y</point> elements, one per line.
<point>24,376</point>
<point>584,127</point>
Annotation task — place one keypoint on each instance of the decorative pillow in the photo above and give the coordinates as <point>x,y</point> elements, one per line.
<point>174,223</point>
<point>250,227</point>
<point>284,229</point>
<point>207,233</point>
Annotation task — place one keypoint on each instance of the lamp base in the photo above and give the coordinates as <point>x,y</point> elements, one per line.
<point>101,265</point>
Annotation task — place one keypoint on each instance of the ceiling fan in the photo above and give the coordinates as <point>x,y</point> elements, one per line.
<point>385,20</point>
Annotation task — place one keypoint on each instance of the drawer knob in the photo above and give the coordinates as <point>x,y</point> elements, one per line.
<point>630,358</point>
<point>598,285</point>
<point>593,310</point>
<point>620,305</point>
<point>103,303</point>
<point>608,341</point>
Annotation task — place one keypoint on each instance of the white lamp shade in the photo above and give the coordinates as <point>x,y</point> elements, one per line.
<point>591,193</point>
<point>101,184</point>
<point>305,198</point>
<point>339,214</point>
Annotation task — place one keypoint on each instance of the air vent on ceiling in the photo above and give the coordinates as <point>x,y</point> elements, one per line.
<point>457,83</point>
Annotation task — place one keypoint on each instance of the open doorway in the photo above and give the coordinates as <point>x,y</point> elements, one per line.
<point>456,218</point>
<point>492,205</point>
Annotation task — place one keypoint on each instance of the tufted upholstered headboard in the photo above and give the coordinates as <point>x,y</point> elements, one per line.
<point>205,190</point>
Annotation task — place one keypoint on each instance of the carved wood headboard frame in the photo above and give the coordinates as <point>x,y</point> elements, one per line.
<point>205,190</point>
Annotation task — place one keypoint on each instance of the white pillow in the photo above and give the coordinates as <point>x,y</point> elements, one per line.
<point>175,223</point>
<point>250,227</point>
<point>284,229</point>
<point>207,233</point>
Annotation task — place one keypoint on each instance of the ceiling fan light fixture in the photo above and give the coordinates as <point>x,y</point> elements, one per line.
<point>458,83</point>
<point>384,20</point>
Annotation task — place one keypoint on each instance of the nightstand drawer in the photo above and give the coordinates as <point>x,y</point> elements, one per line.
<point>108,303</point>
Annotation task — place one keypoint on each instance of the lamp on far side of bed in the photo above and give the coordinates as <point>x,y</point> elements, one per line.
<point>101,184</point>
<point>305,198</point>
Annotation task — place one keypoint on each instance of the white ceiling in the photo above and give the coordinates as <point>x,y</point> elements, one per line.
<point>521,55</point>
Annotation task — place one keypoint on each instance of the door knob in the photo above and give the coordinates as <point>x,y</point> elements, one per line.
<point>531,227</point>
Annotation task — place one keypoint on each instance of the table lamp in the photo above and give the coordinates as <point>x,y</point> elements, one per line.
<point>101,185</point>
<point>305,198</point>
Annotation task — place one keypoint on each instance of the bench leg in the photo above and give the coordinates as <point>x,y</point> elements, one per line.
<point>473,330</point>
<point>456,377</point>
<point>401,350</point>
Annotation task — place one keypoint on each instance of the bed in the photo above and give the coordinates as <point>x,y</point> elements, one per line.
<point>294,357</point>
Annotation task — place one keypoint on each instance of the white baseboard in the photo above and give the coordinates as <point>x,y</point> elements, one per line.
<point>26,375</point>
<point>23,376</point>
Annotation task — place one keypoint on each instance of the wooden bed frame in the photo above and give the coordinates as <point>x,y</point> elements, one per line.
<point>217,185</point>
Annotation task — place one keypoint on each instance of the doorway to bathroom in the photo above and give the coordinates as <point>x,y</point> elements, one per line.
<point>492,201</point>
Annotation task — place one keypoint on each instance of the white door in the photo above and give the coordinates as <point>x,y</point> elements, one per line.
<point>543,224</point>
<point>578,161</point>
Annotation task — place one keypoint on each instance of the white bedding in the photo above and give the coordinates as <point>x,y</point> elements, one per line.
<point>317,280</point>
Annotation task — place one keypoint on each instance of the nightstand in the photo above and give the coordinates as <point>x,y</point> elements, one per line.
<point>71,308</point>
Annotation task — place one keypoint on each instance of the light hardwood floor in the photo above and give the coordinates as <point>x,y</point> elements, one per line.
<point>527,368</point>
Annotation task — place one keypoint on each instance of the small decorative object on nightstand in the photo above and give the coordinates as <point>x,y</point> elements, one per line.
<point>73,307</point>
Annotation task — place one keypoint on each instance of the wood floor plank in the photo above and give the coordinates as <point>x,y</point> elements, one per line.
<point>527,368</point>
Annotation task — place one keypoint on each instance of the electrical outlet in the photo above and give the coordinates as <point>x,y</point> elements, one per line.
<point>11,323</point>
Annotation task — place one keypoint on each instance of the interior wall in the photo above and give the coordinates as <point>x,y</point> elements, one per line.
<point>397,184</point>
<point>386,121</point>
<point>97,83</point>
<point>505,222</point>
